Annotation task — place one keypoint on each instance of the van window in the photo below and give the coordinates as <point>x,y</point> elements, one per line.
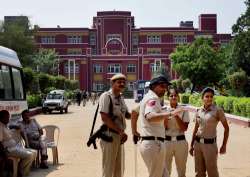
<point>5,83</point>
<point>18,86</point>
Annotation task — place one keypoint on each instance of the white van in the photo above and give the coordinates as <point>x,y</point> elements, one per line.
<point>56,100</point>
<point>12,94</point>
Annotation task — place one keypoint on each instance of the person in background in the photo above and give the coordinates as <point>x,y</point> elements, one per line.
<point>203,144</point>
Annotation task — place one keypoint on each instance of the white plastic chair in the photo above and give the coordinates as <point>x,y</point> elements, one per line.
<point>16,135</point>
<point>52,133</point>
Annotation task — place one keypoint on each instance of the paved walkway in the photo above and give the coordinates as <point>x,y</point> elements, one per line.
<point>77,160</point>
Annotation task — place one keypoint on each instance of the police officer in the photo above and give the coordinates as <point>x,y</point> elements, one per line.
<point>152,132</point>
<point>113,152</point>
<point>176,144</point>
<point>203,144</point>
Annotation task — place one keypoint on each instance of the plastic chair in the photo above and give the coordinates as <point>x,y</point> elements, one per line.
<point>15,161</point>
<point>16,135</point>
<point>52,140</point>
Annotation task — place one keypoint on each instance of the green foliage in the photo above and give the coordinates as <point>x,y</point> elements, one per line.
<point>45,81</point>
<point>231,105</point>
<point>177,84</point>
<point>17,38</point>
<point>241,42</point>
<point>228,104</point>
<point>46,60</point>
<point>59,82</point>
<point>48,89</point>
<point>198,62</point>
<point>71,84</point>
<point>219,101</point>
<point>34,100</point>
<point>186,84</point>
<point>237,81</point>
<point>29,80</point>
<point>184,98</point>
<point>195,100</point>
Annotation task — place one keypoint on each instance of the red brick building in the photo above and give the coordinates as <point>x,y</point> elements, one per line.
<point>114,45</point>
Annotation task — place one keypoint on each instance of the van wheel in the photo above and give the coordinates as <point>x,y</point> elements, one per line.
<point>50,111</point>
<point>66,109</point>
<point>61,111</point>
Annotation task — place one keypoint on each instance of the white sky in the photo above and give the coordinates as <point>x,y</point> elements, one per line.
<point>147,13</point>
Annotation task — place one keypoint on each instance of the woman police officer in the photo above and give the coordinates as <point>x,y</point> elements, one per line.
<point>203,144</point>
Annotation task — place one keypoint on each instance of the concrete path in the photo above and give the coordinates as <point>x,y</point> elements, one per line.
<point>77,160</point>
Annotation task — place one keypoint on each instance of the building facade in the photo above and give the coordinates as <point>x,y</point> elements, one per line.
<point>114,45</point>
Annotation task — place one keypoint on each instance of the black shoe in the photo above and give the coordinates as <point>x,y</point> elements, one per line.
<point>44,166</point>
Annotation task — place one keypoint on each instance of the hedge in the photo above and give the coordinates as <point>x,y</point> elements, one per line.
<point>232,105</point>
<point>34,101</point>
<point>184,98</point>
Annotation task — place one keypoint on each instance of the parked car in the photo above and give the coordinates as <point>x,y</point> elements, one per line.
<point>56,100</point>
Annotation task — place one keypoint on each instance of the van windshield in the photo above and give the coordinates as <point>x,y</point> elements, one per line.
<point>54,96</point>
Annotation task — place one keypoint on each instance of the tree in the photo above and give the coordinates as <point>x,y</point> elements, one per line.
<point>198,62</point>
<point>15,36</point>
<point>46,61</point>
<point>241,42</point>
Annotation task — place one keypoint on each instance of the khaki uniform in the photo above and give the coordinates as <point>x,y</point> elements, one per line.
<point>113,152</point>
<point>35,140</point>
<point>27,156</point>
<point>175,147</point>
<point>152,151</point>
<point>206,154</point>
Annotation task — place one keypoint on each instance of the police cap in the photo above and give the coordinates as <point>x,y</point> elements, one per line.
<point>118,76</point>
<point>205,90</point>
<point>159,80</point>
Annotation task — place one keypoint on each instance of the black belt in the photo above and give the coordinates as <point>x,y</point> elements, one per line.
<point>205,140</point>
<point>175,138</point>
<point>152,138</point>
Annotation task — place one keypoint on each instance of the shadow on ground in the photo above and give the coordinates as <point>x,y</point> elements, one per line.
<point>44,172</point>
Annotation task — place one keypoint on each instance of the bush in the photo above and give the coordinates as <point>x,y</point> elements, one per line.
<point>34,101</point>
<point>195,100</point>
<point>29,79</point>
<point>45,81</point>
<point>59,82</point>
<point>228,104</point>
<point>47,90</point>
<point>219,101</point>
<point>184,98</point>
<point>186,84</point>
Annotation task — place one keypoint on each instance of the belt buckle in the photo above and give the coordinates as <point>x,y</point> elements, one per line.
<point>173,138</point>
<point>202,140</point>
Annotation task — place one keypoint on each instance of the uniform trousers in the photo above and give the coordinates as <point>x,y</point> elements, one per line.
<point>178,150</point>
<point>205,156</point>
<point>26,155</point>
<point>153,154</point>
<point>112,157</point>
<point>39,144</point>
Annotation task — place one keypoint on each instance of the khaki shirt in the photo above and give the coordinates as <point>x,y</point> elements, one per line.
<point>208,121</point>
<point>6,137</point>
<point>31,129</point>
<point>136,109</point>
<point>173,127</point>
<point>119,107</point>
<point>151,103</point>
